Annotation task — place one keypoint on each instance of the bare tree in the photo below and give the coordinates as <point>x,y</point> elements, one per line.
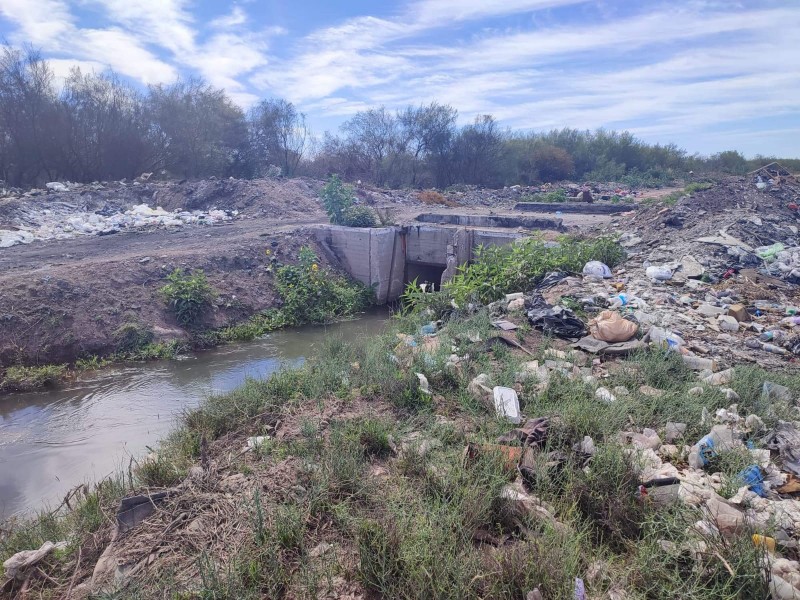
<point>428,132</point>
<point>29,117</point>
<point>278,134</point>
<point>375,133</point>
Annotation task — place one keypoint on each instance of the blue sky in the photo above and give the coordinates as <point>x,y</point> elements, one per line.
<point>708,75</point>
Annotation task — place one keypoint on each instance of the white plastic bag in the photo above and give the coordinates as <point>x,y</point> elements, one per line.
<point>594,268</point>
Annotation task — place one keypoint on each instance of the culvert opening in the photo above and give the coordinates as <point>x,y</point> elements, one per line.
<point>424,274</point>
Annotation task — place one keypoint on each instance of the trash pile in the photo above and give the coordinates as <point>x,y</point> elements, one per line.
<point>61,222</point>
<point>738,225</point>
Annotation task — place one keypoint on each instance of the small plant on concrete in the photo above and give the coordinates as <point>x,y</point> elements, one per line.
<point>360,216</point>
<point>188,294</point>
<point>339,201</point>
<point>337,197</point>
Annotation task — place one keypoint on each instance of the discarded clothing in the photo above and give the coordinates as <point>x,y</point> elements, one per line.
<point>533,433</point>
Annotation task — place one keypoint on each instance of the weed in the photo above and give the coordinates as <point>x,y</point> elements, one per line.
<point>91,363</point>
<point>189,295</point>
<point>500,270</point>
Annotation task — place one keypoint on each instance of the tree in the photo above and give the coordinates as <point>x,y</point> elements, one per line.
<point>477,152</point>
<point>427,133</point>
<point>278,134</point>
<point>107,130</point>
<point>375,135</point>
<point>30,118</point>
<point>552,163</point>
<point>199,131</point>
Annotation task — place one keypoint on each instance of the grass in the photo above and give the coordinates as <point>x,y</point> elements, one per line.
<point>20,378</point>
<point>408,524</point>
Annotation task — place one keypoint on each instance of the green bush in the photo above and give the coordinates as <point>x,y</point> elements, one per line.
<point>131,337</point>
<point>360,216</point>
<point>189,295</point>
<point>500,270</point>
<point>312,294</point>
<point>337,197</point>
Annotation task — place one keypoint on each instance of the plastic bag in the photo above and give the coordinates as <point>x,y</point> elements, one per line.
<point>594,268</point>
<point>660,273</point>
<point>609,326</point>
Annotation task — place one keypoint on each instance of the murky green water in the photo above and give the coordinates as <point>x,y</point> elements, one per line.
<point>52,441</point>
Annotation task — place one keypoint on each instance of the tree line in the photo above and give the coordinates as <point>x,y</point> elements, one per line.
<point>98,127</point>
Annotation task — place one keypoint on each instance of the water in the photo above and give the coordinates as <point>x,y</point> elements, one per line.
<point>51,441</point>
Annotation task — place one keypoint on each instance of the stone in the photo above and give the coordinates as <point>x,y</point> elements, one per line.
<point>727,323</point>
<point>604,395</point>
<point>506,403</point>
<point>691,268</point>
<point>650,391</point>
<point>424,386</point>
<point>674,431</point>
<point>739,312</point>
<point>727,519</point>
<point>479,390</point>
<point>517,304</point>
<point>709,310</point>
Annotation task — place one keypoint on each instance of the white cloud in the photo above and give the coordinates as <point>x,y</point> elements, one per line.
<point>236,17</point>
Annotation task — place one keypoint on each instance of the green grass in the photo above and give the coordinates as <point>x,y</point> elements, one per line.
<point>20,378</point>
<point>422,529</point>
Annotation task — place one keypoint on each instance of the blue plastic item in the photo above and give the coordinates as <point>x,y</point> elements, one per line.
<point>753,479</point>
<point>428,329</point>
<point>706,449</point>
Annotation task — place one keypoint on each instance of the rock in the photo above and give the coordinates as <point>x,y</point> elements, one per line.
<point>721,378</point>
<point>650,391</point>
<point>727,323</point>
<point>739,312</point>
<point>674,431</point>
<point>518,304</point>
<point>708,310</point>
<point>691,268</point>
<point>515,296</point>
<point>604,395</point>
<point>256,442</point>
<point>780,589</point>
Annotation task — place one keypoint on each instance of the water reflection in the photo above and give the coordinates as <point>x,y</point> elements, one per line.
<point>51,441</point>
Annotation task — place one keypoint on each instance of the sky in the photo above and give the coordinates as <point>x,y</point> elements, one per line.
<point>707,75</point>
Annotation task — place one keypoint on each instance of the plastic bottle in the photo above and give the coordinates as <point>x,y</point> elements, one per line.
<point>774,349</point>
<point>775,335</point>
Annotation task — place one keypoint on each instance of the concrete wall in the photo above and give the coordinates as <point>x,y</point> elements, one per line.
<point>509,221</point>
<point>380,257</point>
<point>372,256</point>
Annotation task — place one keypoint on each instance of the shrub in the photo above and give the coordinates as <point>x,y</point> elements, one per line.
<point>189,295</point>
<point>434,197</point>
<point>359,216</point>
<point>499,270</point>
<point>131,337</point>
<point>552,163</point>
<point>315,295</point>
<point>337,197</point>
